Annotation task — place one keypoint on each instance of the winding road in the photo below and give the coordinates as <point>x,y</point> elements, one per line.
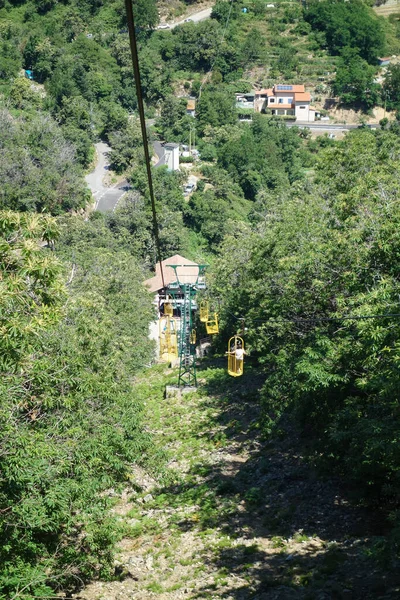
<point>202,15</point>
<point>106,198</point>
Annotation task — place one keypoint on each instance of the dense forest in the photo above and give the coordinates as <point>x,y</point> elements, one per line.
<point>301,234</point>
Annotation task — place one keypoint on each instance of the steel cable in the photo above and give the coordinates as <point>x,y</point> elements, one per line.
<point>136,71</point>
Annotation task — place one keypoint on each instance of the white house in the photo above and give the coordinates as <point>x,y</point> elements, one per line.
<point>172,156</point>
<point>286,100</point>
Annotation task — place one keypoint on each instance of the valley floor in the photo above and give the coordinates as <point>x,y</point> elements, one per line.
<point>236,516</point>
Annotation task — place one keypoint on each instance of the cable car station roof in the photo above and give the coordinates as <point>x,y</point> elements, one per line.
<point>187,271</point>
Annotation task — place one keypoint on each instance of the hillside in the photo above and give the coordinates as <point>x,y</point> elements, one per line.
<point>282,483</point>
<point>234,515</point>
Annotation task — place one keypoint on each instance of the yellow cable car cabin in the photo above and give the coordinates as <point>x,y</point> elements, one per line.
<point>204,310</point>
<point>168,339</point>
<point>212,326</point>
<point>236,355</point>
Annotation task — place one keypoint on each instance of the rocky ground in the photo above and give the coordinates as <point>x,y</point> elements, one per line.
<point>234,516</point>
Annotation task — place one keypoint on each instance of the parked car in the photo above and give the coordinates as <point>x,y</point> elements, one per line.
<point>164,26</point>
<point>188,21</point>
<point>188,189</point>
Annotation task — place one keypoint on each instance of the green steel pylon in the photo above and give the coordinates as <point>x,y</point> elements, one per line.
<point>187,351</point>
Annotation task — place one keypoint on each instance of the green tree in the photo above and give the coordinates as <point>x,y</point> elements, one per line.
<point>174,124</point>
<point>215,107</point>
<point>391,88</point>
<point>10,59</point>
<point>126,147</point>
<point>354,82</point>
<point>30,287</point>
<point>39,56</point>
<point>348,24</point>
<point>253,47</point>
<point>145,13</point>
<point>22,95</point>
<point>70,426</point>
<point>320,251</point>
<point>38,169</point>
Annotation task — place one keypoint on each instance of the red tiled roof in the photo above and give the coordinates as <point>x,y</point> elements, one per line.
<point>304,97</point>
<point>296,89</point>
<point>185,274</point>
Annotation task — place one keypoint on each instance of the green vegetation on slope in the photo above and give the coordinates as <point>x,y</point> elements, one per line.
<point>302,230</point>
<point>323,251</point>
<point>70,424</point>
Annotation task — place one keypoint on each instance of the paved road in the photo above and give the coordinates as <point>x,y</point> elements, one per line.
<point>195,17</point>
<point>160,152</point>
<point>106,198</point>
<point>95,179</point>
<point>325,126</point>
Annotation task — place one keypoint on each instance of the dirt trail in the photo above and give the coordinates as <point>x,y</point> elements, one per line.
<point>237,517</point>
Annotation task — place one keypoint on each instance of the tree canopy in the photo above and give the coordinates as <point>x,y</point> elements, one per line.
<point>348,25</point>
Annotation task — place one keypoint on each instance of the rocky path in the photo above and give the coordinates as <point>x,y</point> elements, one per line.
<point>234,516</point>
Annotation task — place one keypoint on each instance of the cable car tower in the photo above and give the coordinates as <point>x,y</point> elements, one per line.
<point>184,294</point>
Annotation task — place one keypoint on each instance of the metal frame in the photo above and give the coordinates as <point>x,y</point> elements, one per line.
<point>187,350</point>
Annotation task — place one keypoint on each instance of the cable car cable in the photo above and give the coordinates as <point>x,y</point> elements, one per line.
<point>136,71</point>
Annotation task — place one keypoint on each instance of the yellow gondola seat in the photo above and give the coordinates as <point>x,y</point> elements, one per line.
<point>204,310</point>
<point>212,326</point>
<point>235,356</point>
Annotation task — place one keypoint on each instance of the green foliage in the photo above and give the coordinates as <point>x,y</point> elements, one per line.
<point>215,108</point>
<point>320,251</point>
<point>145,13</point>
<point>10,58</point>
<point>264,155</point>
<point>354,82</point>
<point>126,147</point>
<point>23,94</point>
<point>174,124</point>
<point>201,206</point>
<point>69,423</point>
<point>391,88</point>
<point>38,170</point>
<point>30,284</point>
<point>348,25</point>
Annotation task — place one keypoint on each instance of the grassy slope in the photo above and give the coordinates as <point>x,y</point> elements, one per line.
<point>234,516</point>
